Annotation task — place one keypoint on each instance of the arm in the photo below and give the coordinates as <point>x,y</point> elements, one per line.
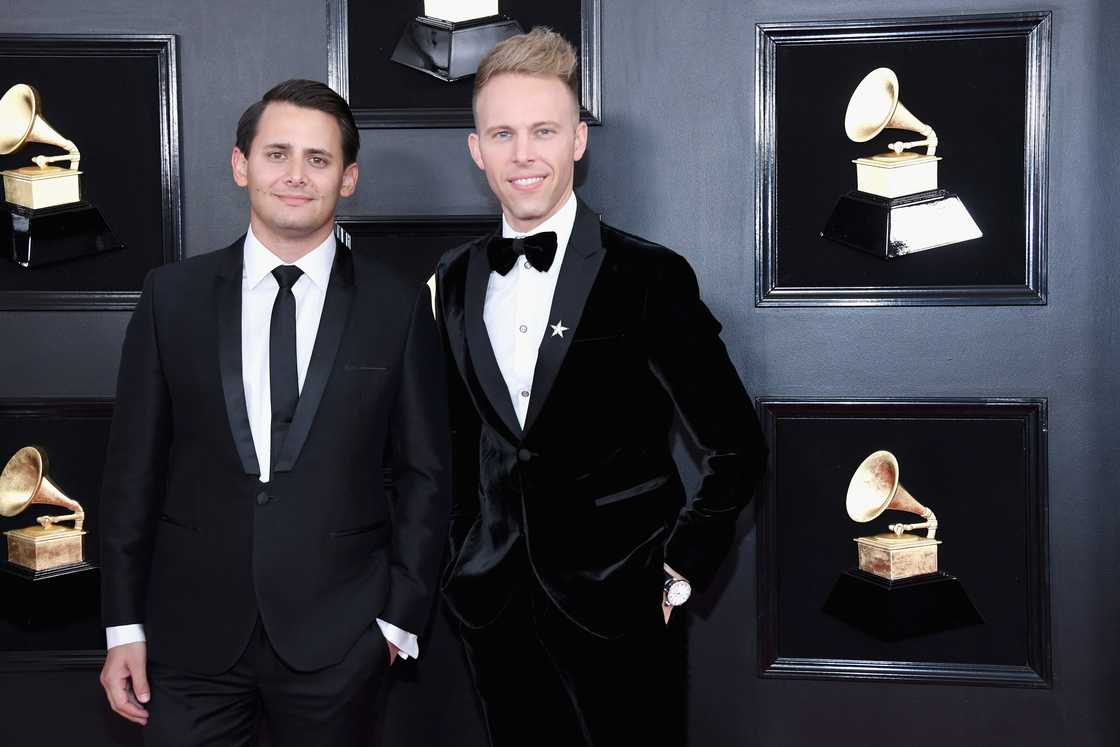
<point>420,453</point>
<point>465,430</point>
<point>690,360</point>
<point>131,494</point>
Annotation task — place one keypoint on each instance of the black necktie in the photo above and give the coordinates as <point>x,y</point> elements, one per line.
<point>539,249</point>
<point>282,372</point>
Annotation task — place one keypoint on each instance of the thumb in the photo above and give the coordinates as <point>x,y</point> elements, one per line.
<point>139,674</point>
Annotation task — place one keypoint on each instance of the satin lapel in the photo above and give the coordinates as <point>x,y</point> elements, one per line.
<point>227,288</point>
<point>478,343</point>
<point>582,260</point>
<point>336,311</point>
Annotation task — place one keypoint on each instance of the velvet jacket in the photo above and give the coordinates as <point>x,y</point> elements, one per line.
<point>195,547</point>
<point>586,498</point>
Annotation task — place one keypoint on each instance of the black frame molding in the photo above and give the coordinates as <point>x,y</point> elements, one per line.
<point>164,47</point>
<point>1037,672</point>
<point>338,75</point>
<point>1035,26</point>
<point>35,408</point>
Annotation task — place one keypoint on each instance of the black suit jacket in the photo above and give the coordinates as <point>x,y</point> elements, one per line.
<point>586,496</point>
<point>195,547</point>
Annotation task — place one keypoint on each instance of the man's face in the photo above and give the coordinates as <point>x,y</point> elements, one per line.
<point>527,141</point>
<point>294,173</point>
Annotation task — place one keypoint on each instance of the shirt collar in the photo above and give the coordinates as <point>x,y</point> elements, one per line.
<point>561,222</point>
<point>259,262</point>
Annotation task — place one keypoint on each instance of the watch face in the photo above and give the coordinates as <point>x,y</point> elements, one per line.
<point>678,593</point>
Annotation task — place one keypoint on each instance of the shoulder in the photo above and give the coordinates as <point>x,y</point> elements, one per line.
<point>641,257</point>
<point>186,272</point>
<point>454,261</point>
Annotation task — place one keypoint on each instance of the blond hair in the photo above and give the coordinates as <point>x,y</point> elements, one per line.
<point>541,52</point>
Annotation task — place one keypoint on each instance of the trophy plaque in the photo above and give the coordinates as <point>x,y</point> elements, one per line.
<point>452,37</point>
<point>897,207</point>
<point>46,219</point>
<point>46,545</point>
<point>897,591</point>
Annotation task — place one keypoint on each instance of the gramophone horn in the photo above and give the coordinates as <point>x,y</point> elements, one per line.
<point>21,122</point>
<point>875,487</point>
<point>23,483</point>
<point>875,106</point>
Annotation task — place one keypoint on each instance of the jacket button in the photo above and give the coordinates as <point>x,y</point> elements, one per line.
<point>262,497</point>
<point>524,455</point>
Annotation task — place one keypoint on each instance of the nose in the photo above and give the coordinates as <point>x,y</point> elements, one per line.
<point>296,175</point>
<point>523,151</point>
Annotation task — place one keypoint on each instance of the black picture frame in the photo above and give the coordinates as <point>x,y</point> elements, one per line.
<point>117,97</point>
<point>980,464</point>
<point>414,243</point>
<point>384,94</point>
<point>54,624</point>
<point>981,81</point>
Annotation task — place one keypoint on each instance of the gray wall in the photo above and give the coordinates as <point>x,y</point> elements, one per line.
<point>674,162</point>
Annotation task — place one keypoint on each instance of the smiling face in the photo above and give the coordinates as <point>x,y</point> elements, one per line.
<point>528,137</point>
<point>294,174</point>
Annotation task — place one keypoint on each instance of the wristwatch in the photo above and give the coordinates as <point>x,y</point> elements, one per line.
<point>677,591</point>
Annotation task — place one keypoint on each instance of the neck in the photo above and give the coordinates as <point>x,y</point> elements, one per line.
<point>290,249</point>
<point>527,226</point>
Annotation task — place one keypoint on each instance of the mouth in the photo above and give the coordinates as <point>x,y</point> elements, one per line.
<point>294,200</point>
<point>526,183</point>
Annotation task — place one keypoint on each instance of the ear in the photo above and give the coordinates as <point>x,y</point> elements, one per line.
<point>476,151</point>
<point>580,141</point>
<point>240,165</point>
<point>349,180</point>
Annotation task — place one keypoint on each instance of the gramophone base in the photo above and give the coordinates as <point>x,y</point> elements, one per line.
<point>895,227</point>
<point>895,610</point>
<point>41,237</point>
<point>450,51</point>
<point>39,548</point>
<point>893,558</point>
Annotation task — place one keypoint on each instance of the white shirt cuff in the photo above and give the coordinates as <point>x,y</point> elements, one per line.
<point>118,635</point>
<point>407,643</point>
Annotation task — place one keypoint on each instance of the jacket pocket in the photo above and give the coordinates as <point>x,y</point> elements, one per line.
<point>364,368</point>
<point>364,529</point>
<point>642,487</point>
<point>178,524</point>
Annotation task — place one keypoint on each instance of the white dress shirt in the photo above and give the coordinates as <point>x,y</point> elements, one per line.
<point>258,293</point>
<point>517,306</point>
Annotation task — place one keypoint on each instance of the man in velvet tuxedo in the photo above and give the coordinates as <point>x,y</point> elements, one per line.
<point>573,347</point>
<point>253,563</point>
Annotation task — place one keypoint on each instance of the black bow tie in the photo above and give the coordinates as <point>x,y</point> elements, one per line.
<point>539,249</point>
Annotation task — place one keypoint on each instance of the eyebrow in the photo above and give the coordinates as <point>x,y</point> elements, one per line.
<point>309,151</point>
<point>535,125</point>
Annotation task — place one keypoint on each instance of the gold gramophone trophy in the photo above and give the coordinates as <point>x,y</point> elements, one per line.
<point>897,591</point>
<point>452,37</point>
<point>48,544</point>
<point>896,554</point>
<point>897,207</point>
<point>47,220</point>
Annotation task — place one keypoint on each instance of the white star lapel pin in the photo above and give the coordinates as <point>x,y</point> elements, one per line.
<point>558,329</point>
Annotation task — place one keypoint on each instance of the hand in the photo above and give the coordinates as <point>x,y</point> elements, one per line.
<point>125,680</point>
<point>393,650</point>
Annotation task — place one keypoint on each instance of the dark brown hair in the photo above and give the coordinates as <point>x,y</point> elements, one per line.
<point>310,94</point>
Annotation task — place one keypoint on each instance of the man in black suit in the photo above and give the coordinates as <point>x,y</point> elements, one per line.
<point>573,347</point>
<point>252,559</point>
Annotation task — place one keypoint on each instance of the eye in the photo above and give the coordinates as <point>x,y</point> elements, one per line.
<point>502,135</point>
<point>318,161</point>
<point>274,155</point>
<point>546,131</point>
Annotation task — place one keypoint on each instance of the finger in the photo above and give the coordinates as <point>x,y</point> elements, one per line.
<point>124,703</point>
<point>140,686</point>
